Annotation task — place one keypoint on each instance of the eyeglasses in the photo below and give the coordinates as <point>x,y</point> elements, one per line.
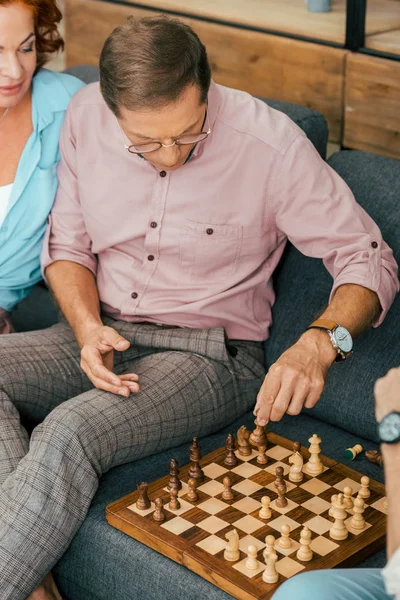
<point>183,140</point>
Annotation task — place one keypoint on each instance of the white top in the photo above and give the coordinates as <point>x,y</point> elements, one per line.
<point>391,575</point>
<point>5,193</point>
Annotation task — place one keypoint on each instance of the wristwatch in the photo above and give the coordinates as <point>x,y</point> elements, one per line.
<point>389,428</point>
<point>341,338</point>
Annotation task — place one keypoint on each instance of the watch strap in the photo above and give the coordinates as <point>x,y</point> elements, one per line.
<point>323,324</point>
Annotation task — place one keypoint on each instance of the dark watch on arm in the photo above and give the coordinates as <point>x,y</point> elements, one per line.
<point>340,337</point>
<point>389,428</point>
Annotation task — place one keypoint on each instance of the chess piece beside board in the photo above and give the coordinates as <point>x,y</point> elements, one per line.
<point>251,514</point>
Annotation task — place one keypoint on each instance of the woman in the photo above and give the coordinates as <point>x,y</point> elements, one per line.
<point>33,102</point>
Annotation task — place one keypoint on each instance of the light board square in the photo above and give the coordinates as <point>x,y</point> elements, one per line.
<point>379,505</point>
<point>212,488</point>
<point>241,567</point>
<point>142,513</point>
<point>182,491</point>
<point>212,506</point>
<point>246,470</point>
<point>249,540</point>
<point>356,531</point>
<point>287,551</point>
<point>212,524</point>
<point>322,546</point>
<point>315,486</point>
<point>247,487</point>
<point>213,470</point>
<point>212,544</point>
<point>288,567</point>
<point>177,525</point>
<point>248,524</point>
<point>278,452</point>
<point>316,505</point>
<point>348,482</point>
<point>318,525</point>
<point>272,468</point>
<point>247,505</point>
<point>253,454</point>
<point>283,520</point>
<point>185,506</point>
<point>290,506</point>
<point>313,474</point>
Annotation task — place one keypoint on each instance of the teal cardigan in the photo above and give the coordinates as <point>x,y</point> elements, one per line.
<point>34,189</point>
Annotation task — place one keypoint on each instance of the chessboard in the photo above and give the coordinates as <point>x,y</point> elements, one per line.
<point>194,535</point>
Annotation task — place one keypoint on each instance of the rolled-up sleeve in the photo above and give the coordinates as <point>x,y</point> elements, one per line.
<point>316,210</point>
<point>66,237</point>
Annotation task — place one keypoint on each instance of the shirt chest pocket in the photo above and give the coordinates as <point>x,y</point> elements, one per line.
<point>210,251</point>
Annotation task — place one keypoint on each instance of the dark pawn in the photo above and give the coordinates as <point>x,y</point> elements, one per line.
<point>174,503</point>
<point>159,514</point>
<point>279,477</point>
<point>281,501</point>
<point>230,459</point>
<point>227,492</point>
<point>173,474</point>
<point>143,502</point>
<point>192,494</point>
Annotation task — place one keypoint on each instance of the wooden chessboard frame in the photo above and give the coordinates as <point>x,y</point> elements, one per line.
<point>220,572</point>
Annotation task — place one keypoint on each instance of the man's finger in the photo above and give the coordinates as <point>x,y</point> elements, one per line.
<point>299,397</point>
<point>116,340</point>
<point>282,401</point>
<point>100,384</point>
<point>314,394</point>
<point>267,394</point>
<point>95,365</point>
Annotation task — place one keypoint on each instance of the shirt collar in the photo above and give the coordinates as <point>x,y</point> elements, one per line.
<point>213,104</point>
<point>49,96</point>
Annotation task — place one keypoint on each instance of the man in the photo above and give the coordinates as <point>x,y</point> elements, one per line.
<point>366,584</point>
<point>176,197</point>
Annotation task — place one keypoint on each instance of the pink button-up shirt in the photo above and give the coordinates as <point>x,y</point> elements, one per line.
<point>197,247</point>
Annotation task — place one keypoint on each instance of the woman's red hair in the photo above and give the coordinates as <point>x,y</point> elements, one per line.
<point>47,15</point>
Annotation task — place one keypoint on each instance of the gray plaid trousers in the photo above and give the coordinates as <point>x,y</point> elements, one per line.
<point>191,384</point>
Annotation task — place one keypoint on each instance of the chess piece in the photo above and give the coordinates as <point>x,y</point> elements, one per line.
<point>265,511</point>
<point>232,552</point>
<point>269,547</point>
<point>251,562</point>
<point>331,510</point>
<point>348,497</point>
<point>227,492</point>
<point>173,474</point>
<point>338,530</point>
<point>297,461</point>
<point>358,521</point>
<point>385,504</point>
<point>195,470</point>
<point>314,465</point>
<point>192,494</point>
<point>375,457</point>
<point>174,503</point>
<point>351,453</point>
<point>281,501</point>
<point>284,541</point>
<point>262,458</point>
<point>270,574</point>
<point>143,502</point>
<point>243,441</point>
<point>230,459</point>
<point>159,514</point>
<point>364,491</point>
<point>304,553</point>
<point>258,437</point>
<point>279,477</point>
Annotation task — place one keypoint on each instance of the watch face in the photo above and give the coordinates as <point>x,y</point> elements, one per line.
<point>343,339</point>
<point>389,427</point>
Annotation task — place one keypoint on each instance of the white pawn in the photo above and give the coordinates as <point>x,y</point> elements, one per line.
<point>304,553</point>
<point>332,509</point>
<point>265,511</point>
<point>269,547</point>
<point>251,562</point>
<point>364,489</point>
<point>358,521</point>
<point>348,497</point>
<point>339,530</point>
<point>270,574</point>
<point>285,541</point>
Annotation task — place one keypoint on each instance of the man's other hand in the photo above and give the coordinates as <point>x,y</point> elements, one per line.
<point>296,379</point>
<point>387,394</point>
<point>97,361</point>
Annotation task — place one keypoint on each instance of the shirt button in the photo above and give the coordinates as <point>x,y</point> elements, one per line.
<point>162,173</point>
<point>374,244</point>
<point>150,257</point>
<point>209,231</point>
<point>134,295</point>
<point>153,224</point>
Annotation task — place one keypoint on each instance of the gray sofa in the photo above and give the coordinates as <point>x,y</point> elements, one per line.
<point>103,563</point>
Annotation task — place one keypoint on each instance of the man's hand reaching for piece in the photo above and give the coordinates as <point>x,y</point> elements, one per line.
<point>97,361</point>
<point>296,379</point>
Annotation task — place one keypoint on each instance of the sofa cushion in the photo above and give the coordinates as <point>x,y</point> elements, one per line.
<point>104,564</point>
<point>303,286</point>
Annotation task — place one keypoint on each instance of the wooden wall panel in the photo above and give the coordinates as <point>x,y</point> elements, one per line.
<point>261,64</point>
<point>372,105</point>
